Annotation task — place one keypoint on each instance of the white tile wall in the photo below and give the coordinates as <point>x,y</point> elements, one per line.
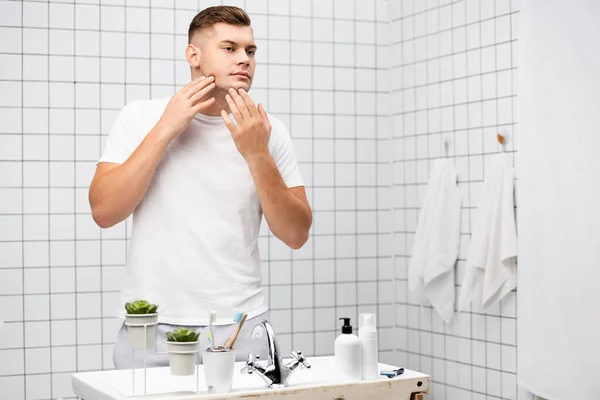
<point>455,71</point>
<point>66,70</point>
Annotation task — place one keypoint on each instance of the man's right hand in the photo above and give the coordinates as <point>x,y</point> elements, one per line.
<point>117,189</point>
<point>185,104</point>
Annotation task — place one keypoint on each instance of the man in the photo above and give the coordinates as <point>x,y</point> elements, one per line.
<point>197,171</point>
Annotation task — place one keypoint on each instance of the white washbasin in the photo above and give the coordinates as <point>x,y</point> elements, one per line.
<point>315,383</point>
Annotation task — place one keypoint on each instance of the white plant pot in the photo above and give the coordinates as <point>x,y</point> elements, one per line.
<point>183,357</point>
<point>141,329</point>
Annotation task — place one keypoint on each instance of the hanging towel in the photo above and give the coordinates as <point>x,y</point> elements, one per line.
<point>491,270</point>
<point>437,241</point>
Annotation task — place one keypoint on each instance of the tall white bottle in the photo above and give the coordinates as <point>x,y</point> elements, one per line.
<point>367,334</point>
<point>348,354</point>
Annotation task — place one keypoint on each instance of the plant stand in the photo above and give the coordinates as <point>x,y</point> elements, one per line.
<point>145,325</point>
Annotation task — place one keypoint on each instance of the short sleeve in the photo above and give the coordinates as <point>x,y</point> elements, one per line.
<point>122,139</point>
<point>284,155</point>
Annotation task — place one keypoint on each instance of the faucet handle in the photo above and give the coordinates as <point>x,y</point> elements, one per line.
<point>249,367</point>
<point>300,359</point>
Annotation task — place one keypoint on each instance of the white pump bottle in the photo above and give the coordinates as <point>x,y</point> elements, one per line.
<point>348,354</point>
<point>367,333</point>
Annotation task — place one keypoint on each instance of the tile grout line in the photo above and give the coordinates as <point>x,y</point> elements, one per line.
<point>76,285</point>
<point>469,169</point>
<point>101,260</point>
<point>471,345</point>
<point>334,157</point>
<point>23,220</point>
<point>354,141</point>
<point>291,264</point>
<point>50,218</point>
<point>312,122</point>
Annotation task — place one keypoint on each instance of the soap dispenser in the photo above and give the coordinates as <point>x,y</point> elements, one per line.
<point>348,354</point>
<point>367,333</point>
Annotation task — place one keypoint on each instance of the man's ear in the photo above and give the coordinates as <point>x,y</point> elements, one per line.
<point>192,54</point>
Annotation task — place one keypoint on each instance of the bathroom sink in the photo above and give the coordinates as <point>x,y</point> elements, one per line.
<point>316,383</point>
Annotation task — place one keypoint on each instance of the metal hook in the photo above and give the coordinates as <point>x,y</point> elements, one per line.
<point>447,145</point>
<point>502,140</point>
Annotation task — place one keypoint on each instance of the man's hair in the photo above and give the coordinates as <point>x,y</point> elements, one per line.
<point>213,15</point>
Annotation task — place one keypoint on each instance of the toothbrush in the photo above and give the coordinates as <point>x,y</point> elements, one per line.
<point>212,317</point>
<point>237,332</point>
<point>236,318</point>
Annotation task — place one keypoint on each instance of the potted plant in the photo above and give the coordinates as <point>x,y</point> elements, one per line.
<point>141,320</point>
<point>183,346</point>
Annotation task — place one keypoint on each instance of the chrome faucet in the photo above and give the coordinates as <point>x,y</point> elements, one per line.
<point>272,371</point>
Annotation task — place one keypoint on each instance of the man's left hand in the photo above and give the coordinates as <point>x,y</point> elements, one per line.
<point>252,129</point>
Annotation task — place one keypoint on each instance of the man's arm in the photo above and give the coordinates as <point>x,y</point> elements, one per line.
<point>117,189</point>
<point>286,209</point>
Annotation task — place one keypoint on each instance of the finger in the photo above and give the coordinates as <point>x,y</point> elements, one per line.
<point>203,104</point>
<point>228,122</point>
<point>249,103</point>
<point>234,109</point>
<point>200,94</point>
<point>240,103</point>
<point>199,85</point>
<point>265,117</point>
<point>189,85</point>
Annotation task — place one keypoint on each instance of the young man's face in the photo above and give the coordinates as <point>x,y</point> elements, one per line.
<point>227,52</point>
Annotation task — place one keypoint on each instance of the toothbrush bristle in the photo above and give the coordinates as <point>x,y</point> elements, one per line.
<point>238,316</point>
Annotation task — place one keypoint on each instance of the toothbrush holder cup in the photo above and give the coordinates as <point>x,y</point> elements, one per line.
<point>218,369</point>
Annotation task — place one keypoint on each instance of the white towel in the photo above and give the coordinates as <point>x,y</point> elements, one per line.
<point>437,241</point>
<point>491,270</point>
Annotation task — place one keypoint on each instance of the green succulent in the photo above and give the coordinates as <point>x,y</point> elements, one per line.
<point>183,335</point>
<point>140,307</point>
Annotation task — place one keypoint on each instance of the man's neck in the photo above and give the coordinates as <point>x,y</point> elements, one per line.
<point>219,104</point>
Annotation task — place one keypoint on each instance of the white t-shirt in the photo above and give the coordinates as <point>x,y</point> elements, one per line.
<point>194,243</point>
